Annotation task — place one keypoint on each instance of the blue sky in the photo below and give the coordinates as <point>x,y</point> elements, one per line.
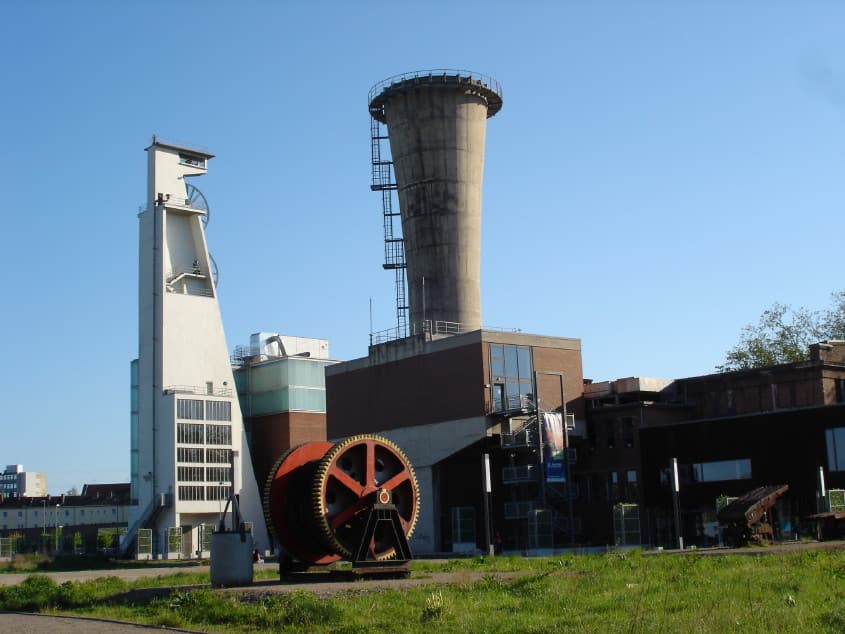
<point>659,174</point>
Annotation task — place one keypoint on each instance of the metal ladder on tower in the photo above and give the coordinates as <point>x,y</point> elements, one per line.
<point>394,246</point>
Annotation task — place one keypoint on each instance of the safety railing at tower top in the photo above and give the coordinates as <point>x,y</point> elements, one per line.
<point>435,74</point>
<point>428,327</point>
<point>437,327</point>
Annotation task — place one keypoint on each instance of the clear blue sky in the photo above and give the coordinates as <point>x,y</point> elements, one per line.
<point>660,173</point>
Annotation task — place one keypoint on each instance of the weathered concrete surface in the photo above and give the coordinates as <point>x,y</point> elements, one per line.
<point>437,136</point>
<point>20,623</point>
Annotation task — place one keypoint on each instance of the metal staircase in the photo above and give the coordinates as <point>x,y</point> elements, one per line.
<point>159,502</point>
<point>394,245</point>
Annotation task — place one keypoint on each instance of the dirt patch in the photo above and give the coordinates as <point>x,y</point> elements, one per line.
<point>327,588</point>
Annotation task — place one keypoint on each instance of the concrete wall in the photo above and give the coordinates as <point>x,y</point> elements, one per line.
<point>182,346</point>
<point>437,137</point>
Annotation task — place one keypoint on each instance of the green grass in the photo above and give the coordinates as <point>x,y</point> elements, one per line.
<point>618,592</point>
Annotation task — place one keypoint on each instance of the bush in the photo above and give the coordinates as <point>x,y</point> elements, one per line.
<point>34,593</point>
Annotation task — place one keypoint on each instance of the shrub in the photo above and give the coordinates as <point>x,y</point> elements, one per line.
<point>32,594</point>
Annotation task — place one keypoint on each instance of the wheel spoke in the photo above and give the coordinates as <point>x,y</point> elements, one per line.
<point>370,479</point>
<point>346,480</point>
<point>395,481</point>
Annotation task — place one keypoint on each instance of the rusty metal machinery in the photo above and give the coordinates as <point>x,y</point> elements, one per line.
<point>746,519</point>
<point>356,499</point>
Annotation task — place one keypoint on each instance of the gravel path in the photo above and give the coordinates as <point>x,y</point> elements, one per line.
<point>127,574</point>
<point>20,623</point>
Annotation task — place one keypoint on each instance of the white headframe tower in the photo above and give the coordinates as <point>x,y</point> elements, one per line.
<point>186,421</point>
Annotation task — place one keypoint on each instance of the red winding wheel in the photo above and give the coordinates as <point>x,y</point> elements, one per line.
<point>318,496</point>
<point>345,489</point>
<point>287,503</point>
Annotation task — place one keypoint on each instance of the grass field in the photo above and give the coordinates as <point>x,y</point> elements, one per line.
<point>616,592</point>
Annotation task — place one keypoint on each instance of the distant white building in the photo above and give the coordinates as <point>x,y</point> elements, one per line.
<point>186,423</point>
<point>97,505</point>
<point>15,482</point>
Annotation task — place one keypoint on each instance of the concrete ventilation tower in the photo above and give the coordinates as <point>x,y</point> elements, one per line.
<point>188,447</point>
<point>436,123</point>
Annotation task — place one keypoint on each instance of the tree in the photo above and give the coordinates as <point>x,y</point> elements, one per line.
<point>784,335</point>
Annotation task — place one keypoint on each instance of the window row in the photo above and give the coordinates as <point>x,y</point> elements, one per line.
<point>511,377</point>
<point>835,442</point>
<point>197,409</point>
<point>198,454</point>
<point>716,471</point>
<point>198,493</point>
<point>204,474</point>
<point>199,434</point>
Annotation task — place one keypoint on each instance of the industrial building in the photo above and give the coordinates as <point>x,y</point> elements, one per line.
<point>281,385</point>
<point>188,447</point>
<point>474,409</point>
<point>511,445</point>
<point>730,432</point>
<point>455,396</point>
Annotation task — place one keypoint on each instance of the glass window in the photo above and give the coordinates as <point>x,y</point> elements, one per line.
<point>612,486</point>
<point>218,434</point>
<point>631,487</point>
<point>307,399</point>
<point>188,159</point>
<point>218,474</point>
<point>189,409</point>
<point>217,492</point>
<point>217,455</point>
<point>835,441</point>
<point>189,433</point>
<point>498,397</point>
<point>463,524</point>
<point>512,393</point>
<point>218,410</point>
<point>190,474</point>
<point>511,366</point>
<point>523,357</point>
<point>191,493</point>
<point>497,360</point>
<point>511,363</point>
<point>189,454</point>
<point>722,470</point>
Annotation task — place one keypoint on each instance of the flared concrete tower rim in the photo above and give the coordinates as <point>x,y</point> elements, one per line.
<point>486,87</point>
